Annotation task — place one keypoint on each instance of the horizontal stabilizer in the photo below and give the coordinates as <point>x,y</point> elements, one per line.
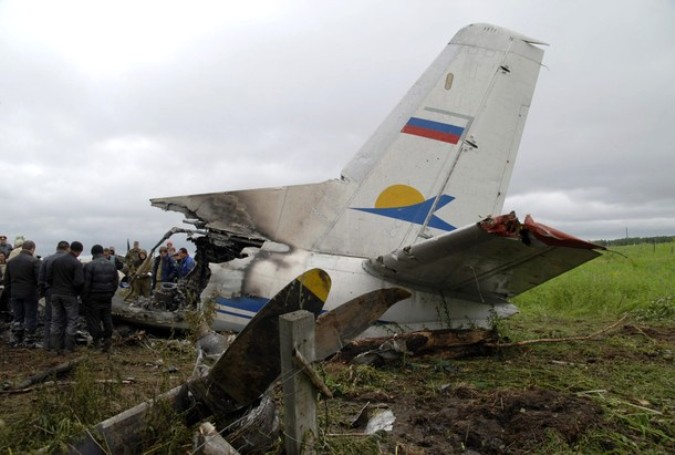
<point>488,262</point>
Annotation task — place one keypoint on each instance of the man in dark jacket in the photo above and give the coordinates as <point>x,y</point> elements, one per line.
<point>65,278</point>
<point>21,282</point>
<point>100,284</point>
<point>46,290</point>
<point>163,268</point>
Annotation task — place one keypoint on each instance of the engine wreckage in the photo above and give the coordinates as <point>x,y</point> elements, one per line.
<point>170,304</point>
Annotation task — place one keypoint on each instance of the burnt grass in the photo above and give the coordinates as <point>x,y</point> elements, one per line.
<point>609,395</point>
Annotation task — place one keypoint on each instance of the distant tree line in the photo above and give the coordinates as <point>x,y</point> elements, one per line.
<point>635,241</point>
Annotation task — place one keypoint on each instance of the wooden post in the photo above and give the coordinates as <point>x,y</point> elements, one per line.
<point>296,332</point>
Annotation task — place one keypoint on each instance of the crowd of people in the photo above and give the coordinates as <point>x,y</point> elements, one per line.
<point>71,288</point>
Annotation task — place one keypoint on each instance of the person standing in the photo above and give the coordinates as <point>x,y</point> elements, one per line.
<point>21,282</point>
<point>131,257</point>
<point>115,259</point>
<point>100,284</point>
<point>185,264</point>
<point>46,290</point>
<point>4,246</point>
<point>141,276</point>
<point>5,313</point>
<point>66,278</point>
<point>18,246</point>
<point>164,267</point>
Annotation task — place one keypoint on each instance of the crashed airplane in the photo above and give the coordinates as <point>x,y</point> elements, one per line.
<point>417,207</point>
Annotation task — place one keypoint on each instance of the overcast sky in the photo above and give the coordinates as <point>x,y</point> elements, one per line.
<point>104,105</point>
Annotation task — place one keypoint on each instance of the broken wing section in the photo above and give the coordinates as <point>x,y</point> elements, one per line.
<point>488,262</point>
<point>293,215</point>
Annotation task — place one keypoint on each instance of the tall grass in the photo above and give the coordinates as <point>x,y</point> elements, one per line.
<point>624,279</point>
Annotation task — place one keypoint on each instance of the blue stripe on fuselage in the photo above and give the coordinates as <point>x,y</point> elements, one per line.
<point>252,304</point>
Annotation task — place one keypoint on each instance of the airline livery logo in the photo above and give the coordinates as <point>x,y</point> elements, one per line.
<point>439,131</point>
<point>404,202</point>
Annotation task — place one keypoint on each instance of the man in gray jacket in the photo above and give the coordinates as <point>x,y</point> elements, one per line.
<point>21,282</point>
<point>65,278</point>
<point>100,284</point>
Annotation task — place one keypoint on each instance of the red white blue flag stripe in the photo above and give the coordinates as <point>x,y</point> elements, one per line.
<point>444,132</point>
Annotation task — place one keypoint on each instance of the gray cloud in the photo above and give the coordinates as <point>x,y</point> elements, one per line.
<point>102,110</point>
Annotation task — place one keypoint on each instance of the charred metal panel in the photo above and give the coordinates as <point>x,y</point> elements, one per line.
<point>295,215</point>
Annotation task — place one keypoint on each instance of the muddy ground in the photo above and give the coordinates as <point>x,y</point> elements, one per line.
<point>441,406</point>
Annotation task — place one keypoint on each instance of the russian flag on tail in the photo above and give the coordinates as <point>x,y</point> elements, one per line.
<point>444,132</point>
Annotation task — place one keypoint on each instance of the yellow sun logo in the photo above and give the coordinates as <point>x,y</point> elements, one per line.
<point>398,196</point>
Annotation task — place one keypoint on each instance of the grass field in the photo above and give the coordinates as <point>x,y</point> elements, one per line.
<point>628,278</point>
<point>611,394</point>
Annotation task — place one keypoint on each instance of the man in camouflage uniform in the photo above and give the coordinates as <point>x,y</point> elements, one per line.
<point>131,257</point>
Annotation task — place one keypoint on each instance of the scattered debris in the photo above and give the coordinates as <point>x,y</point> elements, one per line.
<point>387,352</point>
<point>451,343</point>
<point>210,442</point>
<point>374,418</point>
<point>48,373</point>
<point>258,430</point>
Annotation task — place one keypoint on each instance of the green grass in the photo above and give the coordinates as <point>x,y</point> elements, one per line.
<point>623,279</point>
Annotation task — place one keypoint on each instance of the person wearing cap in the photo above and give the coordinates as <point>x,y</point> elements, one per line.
<point>46,291</point>
<point>66,279</point>
<point>21,282</point>
<point>4,246</point>
<point>100,284</point>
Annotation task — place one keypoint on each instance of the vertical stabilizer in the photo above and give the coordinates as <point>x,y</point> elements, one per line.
<point>443,158</point>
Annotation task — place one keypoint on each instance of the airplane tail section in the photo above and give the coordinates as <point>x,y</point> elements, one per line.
<point>442,159</point>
